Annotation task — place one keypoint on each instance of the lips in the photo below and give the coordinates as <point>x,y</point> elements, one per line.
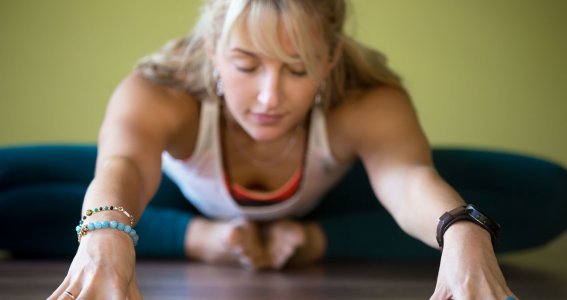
<point>266,118</point>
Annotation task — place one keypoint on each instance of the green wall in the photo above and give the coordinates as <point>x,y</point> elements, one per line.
<point>482,73</point>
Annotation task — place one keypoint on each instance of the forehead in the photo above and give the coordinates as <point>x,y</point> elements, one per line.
<point>290,36</point>
<point>256,40</point>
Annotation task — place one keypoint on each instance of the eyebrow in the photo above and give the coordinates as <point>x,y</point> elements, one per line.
<point>243,51</point>
<point>250,53</point>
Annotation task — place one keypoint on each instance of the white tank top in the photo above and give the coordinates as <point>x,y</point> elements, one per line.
<point>200,177</point>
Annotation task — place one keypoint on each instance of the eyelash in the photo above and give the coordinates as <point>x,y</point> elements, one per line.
<point>298,74</point>
<point>294,73</point>
<point>246,70</point>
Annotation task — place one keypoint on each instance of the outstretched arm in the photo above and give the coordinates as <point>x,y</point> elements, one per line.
<point>397,157</point>
<point>140,123</point>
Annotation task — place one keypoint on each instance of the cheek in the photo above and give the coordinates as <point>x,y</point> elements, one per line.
<point>302,94</point>
<point>237,87</point>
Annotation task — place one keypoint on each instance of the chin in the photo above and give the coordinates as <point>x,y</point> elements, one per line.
<point>269,134</point>
<point>265,138</point>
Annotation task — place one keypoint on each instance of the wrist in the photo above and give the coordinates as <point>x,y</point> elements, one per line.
<point>107,241</point>
<point>469,214</point>
<point>108,249</point>
<point>466,233</point>
<point>100,213</point>
<point>107,216</point>
<point>85,228</point>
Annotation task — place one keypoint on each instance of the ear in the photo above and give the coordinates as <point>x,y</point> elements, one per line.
<point>210,49</point>
<point>337,53</point>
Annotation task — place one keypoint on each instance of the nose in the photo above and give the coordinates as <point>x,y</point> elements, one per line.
<point>269,95</point>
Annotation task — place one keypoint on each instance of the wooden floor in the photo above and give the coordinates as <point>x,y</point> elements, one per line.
<point>540,274</point>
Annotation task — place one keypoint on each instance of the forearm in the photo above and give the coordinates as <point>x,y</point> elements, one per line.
<point>118,182</point>
<point>421,197</point>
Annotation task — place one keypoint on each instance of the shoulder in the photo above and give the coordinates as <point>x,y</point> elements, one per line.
<point>371,120</point>
<point>142,105</point>
<point>372,102</point>
<point>137,91</point>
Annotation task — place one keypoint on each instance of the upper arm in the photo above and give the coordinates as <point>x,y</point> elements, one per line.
<point>382,129</point>
<point>141,121</point>
<point>395,137</point>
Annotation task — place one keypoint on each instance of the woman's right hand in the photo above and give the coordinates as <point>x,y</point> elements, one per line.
<point>103,268</point>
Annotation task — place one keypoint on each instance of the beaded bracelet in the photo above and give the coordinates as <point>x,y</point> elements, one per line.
<point>90,212</point>
<point>83,230</point>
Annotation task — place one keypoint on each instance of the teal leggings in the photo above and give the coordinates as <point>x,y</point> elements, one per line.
<point>42,189</point>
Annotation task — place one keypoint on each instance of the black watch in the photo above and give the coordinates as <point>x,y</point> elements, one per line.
<point>467,213</point>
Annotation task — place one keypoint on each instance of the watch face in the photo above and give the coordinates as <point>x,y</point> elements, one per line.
<point>482,218</point>
<point>459,209</point>
<point>477,215</point>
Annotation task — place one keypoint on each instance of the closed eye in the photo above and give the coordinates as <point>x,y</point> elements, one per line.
<point>297,73</point>
<point>246,70</point>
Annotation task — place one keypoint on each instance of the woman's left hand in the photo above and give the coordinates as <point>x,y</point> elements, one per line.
<point>469,268</point>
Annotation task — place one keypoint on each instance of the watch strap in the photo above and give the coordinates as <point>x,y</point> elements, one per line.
<point>467,213</point>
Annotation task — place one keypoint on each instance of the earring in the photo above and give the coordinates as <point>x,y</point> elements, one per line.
<point>219,87</point>
<point>318,98</point>
<point>319,94</point>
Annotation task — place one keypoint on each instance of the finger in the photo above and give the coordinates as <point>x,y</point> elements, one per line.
<point>244,259</point>
<point>68,291</point>
<point>274,249</point>
<point>237,251</point>
<point>133,289</point>
<point>281,255</point>
<point>72,291</point>
<point>245,263</point>
<point>253,263</point>
<point>440,294</point>
<point>67,295</point>
<point>511,296</point>
<point>59,290</point>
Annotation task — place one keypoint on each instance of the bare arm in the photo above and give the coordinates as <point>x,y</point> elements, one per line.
<point>397,157</point>
<point>142,120</point>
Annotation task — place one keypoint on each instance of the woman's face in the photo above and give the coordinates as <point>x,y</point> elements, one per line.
<point>265,96</point>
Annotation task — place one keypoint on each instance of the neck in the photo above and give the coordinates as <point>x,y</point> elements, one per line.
<point>260,153</point>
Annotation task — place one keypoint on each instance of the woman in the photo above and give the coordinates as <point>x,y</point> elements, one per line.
<point>254,124</point>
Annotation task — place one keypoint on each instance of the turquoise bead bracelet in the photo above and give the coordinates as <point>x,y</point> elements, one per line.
<point>83,229</point>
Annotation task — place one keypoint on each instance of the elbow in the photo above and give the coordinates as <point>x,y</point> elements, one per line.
<point>130,174</point>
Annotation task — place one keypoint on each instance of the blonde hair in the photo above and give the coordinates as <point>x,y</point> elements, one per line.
<point>183,62</point>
